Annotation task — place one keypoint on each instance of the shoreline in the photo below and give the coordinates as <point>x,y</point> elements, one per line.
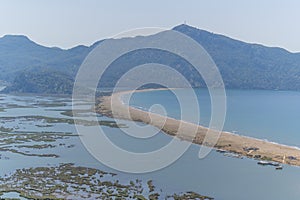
<point>258,149</point>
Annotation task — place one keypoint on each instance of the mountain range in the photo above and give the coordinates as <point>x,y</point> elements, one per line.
<point>27,67</point>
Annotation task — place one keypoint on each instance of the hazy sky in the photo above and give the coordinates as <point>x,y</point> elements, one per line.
<point>67,23</point>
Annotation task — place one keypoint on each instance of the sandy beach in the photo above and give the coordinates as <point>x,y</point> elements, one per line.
<point>238,144</point>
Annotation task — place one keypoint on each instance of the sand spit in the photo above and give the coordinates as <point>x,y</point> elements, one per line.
<point>238,144</point>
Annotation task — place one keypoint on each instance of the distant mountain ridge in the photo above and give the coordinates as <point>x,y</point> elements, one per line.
<point>18,53</point>
<point>24,63</point>
<point>249,66</point>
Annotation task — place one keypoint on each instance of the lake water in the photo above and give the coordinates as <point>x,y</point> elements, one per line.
<point>271,115</point>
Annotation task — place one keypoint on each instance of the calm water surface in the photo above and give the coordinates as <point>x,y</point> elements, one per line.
<point>271,115</point>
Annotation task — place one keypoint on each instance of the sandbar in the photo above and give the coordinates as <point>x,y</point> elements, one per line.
<point>230,142</point>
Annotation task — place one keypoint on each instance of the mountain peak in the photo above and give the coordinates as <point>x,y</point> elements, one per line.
<point>193,32</point>
<point>15,37</point>
<point>16,40</point>
<point>186,26</point>
<point>183,26</point>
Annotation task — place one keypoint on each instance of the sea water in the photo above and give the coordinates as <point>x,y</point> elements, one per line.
<point>268,115</point>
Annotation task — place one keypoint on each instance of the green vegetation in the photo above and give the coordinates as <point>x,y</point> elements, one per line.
<point>189,195</point>
<point>67,179</point>
<point>37,146</point>
<point>78,182</point>
<point>46,81</point>
<point>6,130</point>
<point>15,142</point>
<point>44,125</point>
<point>71,113</point>
<point>242,65</point>
<point>9,106</point>
<point>18,53</point>
<point>154,196</point>
<point>150,186</point>
<point>52,120</point>
<point>50,104</point>
<point>266,158</point>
